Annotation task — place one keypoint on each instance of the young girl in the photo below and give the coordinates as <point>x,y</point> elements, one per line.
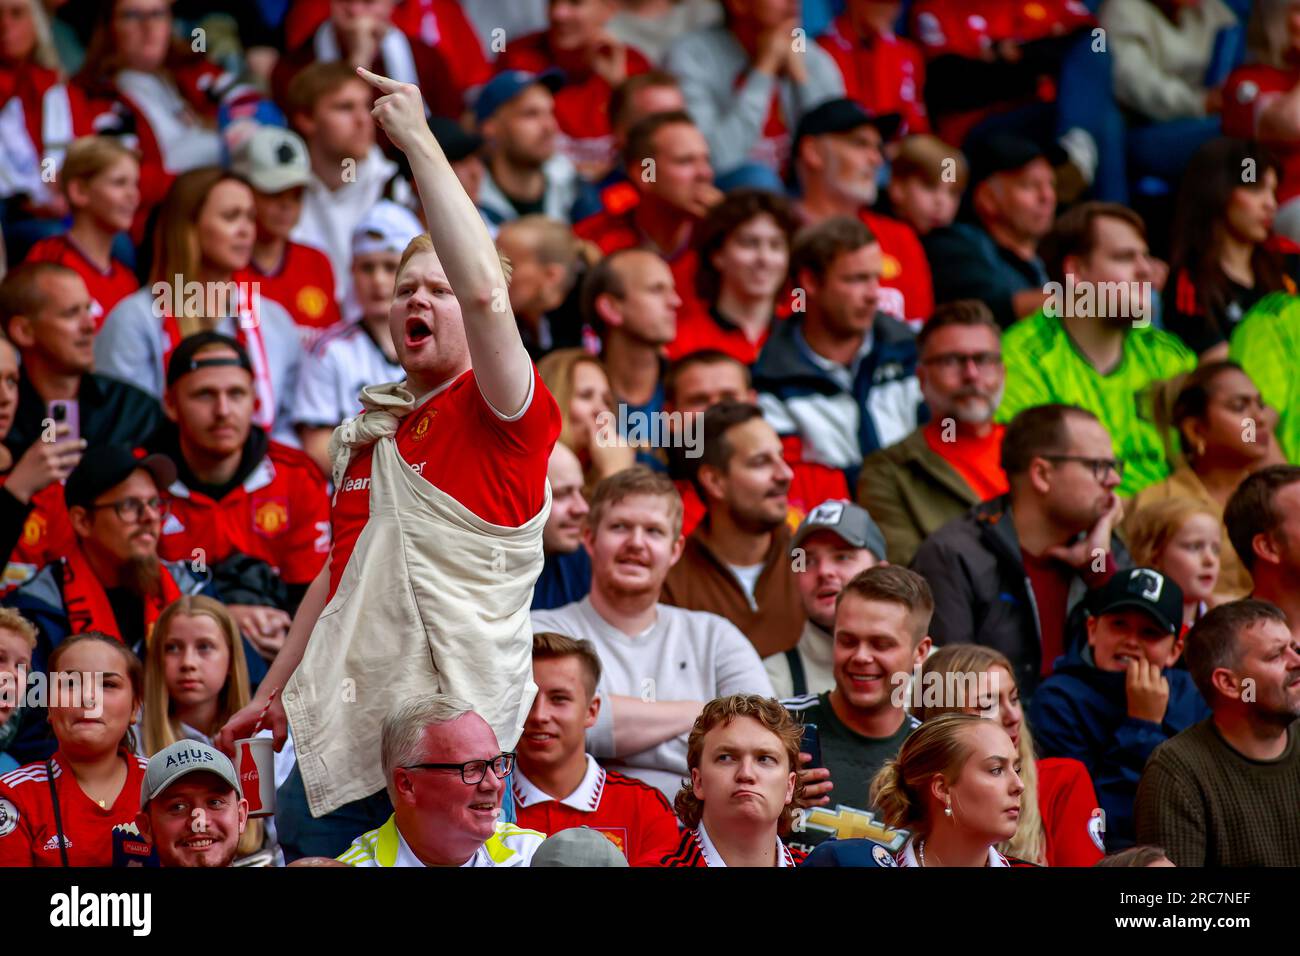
<point>195,679</point>
<point>956,786</point>
<point>1056,809</point>
<point>1180,537</point>
<point>101,180</point>
<point>78,808</point>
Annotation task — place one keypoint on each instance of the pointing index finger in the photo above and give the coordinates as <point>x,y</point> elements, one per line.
<point>378,82</point>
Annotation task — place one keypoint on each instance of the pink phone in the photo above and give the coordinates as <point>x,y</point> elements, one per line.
<point>67,412</point>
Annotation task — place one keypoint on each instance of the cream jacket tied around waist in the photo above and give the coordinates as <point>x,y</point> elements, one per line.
<point>432,600</point>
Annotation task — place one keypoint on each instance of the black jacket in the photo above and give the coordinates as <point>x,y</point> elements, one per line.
<point>111,413</point>
<point>981,592</point>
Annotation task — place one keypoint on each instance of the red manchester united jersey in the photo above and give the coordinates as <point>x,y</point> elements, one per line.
<point>632,815</point>
<point>694,848</point>
<point>279,514</point>
<point>612,231</point>
<point>1248,90</point>
<point>457,443</point>
<point>46,537</point>
<point>886,73</point>
<point>28,831</point>
<point>304,285</point>
<point>907,289</point>
<point>106,288</point>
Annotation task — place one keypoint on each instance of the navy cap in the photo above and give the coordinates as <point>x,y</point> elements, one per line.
<point>1006,152</point>
<point>105,467</point>
<point>508,84</point>
<point>843,115</point>
<point>1140,589</point>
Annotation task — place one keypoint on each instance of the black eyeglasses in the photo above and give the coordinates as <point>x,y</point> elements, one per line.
<point>1100,466</point>
<point>473,771</point>
<point>953,361</point>
<point>131,509</point>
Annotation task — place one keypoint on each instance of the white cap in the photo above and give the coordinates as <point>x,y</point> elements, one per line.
<point>387,227</point>
<point>273,159</point>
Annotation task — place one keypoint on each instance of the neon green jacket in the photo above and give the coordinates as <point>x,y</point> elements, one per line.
<point>1266,343</point>
<point>1044,366</point>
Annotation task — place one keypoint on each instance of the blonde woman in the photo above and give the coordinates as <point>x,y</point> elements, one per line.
<point>581,388</point>
<point>201,282</point>
<point>1057,826</point>
<point>955,785</point>
<point>1182,539</point>
<point>101,181</point>
<point>195,678</point>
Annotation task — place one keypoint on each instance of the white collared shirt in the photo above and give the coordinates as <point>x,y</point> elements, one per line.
<point>907,856</point>
<point>713,858</point>
<point>585,798</point>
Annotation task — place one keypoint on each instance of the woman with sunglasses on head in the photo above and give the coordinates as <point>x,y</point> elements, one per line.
<point>956,786</point>
<point>1057,823</point>
<point>78,808</point>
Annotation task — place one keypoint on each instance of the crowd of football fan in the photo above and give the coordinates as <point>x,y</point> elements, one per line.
<point>927,381</point>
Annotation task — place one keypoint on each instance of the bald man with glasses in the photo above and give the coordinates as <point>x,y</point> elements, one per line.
<point>445,774</point>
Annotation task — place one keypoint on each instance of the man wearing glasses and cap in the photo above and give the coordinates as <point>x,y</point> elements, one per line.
<point>445,773</point>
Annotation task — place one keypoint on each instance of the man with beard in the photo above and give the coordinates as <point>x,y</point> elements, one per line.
<point>1093,343</point>
<point>192,809</point>
<point>1222,793</point>
<point>659,663</point>
<point>950,464</point>
<point>839,381</point>
<point>1008,573</point>
<point>112,581</point>
<point>566,574</point>
<point>525,171</point>
<point>838,155</point>
<point>736,562</point>
<point>1263,520</point>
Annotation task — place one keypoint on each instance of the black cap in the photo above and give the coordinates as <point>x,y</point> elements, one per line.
<point>108,465</point>
<point>183,359</point>
<point>1005,152</point>
<point>842,115</point>
<point>456,141</point>
<point>1141,589</point>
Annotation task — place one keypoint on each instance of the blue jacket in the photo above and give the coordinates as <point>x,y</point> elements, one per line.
<point>841,415</point>
<point>1082,712</point>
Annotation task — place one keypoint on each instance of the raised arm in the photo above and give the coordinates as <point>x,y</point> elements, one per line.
<point>501,364</point>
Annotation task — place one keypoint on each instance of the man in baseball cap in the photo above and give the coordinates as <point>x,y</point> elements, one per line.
<point>833,543</point>
<point>836,163</point>
<point>277,165</point>
<point>526,172</point>
<point>1111,702</point>
<point>191,806</point>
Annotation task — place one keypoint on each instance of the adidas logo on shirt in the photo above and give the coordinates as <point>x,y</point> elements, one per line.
<point>53,843</point>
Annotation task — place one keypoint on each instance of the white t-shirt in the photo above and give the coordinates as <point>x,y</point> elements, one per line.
<point>748,577</point>
<point>343,361</point>
<point>684,655</point>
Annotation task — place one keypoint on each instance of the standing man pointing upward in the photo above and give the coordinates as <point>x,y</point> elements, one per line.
<point>437,518</point>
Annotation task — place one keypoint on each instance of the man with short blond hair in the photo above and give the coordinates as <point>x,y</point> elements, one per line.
<point>660,663</point>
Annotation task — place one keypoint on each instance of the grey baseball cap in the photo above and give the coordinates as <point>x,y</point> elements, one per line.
<point>273,160</point>
<point>579,846</point>
<point>851,522</point>
<point>180,760</point>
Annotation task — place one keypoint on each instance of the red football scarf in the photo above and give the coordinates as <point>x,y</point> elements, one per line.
<point>87,603</point>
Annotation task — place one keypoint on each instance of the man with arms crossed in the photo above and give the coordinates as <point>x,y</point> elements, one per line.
<point>475,426</point>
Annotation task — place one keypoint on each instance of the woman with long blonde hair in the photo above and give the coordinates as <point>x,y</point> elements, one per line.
<point>955,786</point>
<point>581,388</point>
<point>1057,827</point>
<point>195,679</point>
<point>201,282</point>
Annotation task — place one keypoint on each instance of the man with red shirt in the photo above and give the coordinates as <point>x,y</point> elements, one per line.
<point>593,63</point>
<point>474,425</point>
<point>838,155</point>
<point>558,785</point>
<point>237,493</point>
<point>952,463</point>
<point>882,71</point>
<point>670,186</point>
<point>300,278</point>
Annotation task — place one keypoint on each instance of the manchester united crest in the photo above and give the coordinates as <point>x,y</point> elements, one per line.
<point>271,516</point>
<point>422,426</point>
<point>34,530</point>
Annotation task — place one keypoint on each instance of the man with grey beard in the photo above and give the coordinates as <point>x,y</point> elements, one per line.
<point>949,464</point>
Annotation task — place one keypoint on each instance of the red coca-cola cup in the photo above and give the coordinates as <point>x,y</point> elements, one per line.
<point>255,761</point>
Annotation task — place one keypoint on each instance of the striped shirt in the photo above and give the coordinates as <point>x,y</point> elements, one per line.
<point>508,846</point>
<point>696,849</point>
